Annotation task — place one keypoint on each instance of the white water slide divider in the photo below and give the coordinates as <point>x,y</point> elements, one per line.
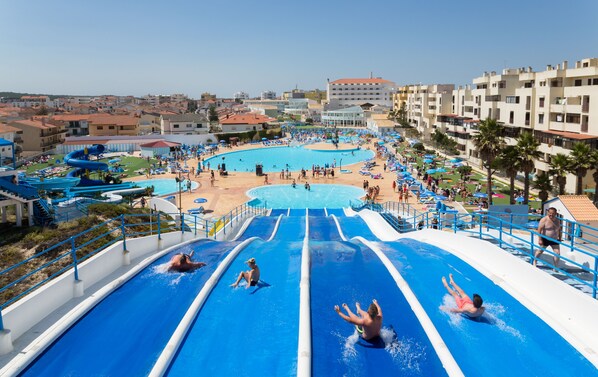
<point>304,347</point>
<point>182,329</point>
<point>447,359</point>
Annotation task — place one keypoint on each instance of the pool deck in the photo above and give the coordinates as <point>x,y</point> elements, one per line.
<point>229,192</point>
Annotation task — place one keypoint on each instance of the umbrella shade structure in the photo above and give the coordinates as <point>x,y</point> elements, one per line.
<point>114,161</point>
<point>264,139</point>
<point>532,224</point>
<point>480,195</point>
<point>441,170</point>
<point>455,160</point>
<point>519,199</point>
<point>200,200</point>
<point>431,171</point>
<point>276,137</point>
<point>223,141</point>
<point>429,156</point>
<point>428,160</point>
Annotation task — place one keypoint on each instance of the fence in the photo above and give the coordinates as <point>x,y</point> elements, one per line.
<point>26,276</point>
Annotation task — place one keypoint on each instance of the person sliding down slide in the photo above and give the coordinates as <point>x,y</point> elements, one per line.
<point>465,305</point>
<point>182,263</point>
<point>368,323</point>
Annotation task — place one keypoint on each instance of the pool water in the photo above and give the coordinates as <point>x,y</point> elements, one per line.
<point>319,196</point>
<point>165,186</point>
<point>276,159</point>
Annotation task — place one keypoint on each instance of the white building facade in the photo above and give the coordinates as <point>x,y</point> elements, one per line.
<point>356,92</point>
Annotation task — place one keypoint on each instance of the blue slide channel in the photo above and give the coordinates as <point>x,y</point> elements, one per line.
<point>249,331</point>
<point>125,333</point>
<point>260,226</point>
<point>507,339</point>
<point>323,228</point>
<point>338,212</point>
<point>355,226</point>
<point>279,211</point>
<point>347,272</point>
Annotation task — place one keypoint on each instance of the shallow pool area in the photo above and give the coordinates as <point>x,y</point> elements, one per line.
<point>318,196</point>
<point>163,186</point>
<point>276,159</point>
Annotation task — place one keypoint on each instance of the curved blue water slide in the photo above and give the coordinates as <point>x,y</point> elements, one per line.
<point>124,334</point>
<point>323,228</point>
<point>260,226</point>
<point>78,158</point>
<point>279,211</point>
<point>291,229</point>
<point>353,226</point>
<point>297,212</point>
<point>248,332</point>
<point>338,212</point>
<point>349,272</point>
<point>316,212</point>
<point>509,339</point>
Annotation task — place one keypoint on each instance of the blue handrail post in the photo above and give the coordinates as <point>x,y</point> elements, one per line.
<point>159,228</point>
<point>480,222</point>
<point>1,321</point>
<point>593,288</point>
<point>572,235</point>
<point>532,256</point>
<point>511,224</point>
<point>195,224</point>
<point>124,232</point>
<point>500,233</point>
<point>205,225</point>
<point>74,256</point>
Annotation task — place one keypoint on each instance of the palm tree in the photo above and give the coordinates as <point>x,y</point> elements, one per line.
<point>527,147</point>
<point>510,163</point>
<point>559,167</point>
<point>543,184</point>
<point>581,162</point>
<point>489,141</point>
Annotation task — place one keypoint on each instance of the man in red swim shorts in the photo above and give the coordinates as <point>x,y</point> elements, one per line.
<point>472,308</point>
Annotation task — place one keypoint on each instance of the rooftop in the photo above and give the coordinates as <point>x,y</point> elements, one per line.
<point>361,81</point>
<point>581,207</point>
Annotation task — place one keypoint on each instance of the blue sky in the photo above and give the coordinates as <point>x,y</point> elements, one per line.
<point>184,46</point>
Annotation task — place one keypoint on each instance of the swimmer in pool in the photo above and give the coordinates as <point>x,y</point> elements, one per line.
<point>368,323</point>
<point>472,308</point>
<point>252,276</point>
<point>183,263</point>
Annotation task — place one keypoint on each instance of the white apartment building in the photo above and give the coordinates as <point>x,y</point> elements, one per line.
<point>185,124</point>
<point>424,103</point>
<point>558,105</point>
<point>241,95</point>
<point>347,117</point>
<point>268,94</point>
<point>356,92</point>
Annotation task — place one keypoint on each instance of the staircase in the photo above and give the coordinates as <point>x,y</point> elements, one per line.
<point>42,214</point>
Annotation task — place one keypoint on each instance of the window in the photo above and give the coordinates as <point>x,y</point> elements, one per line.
<point>541,118</point>
<point>595,81</point>
<point>578,82</point>
<point>512,99</point>
<point>100,127</point>
<point>198,125</point>
<point>541,101</point>
<point>175,126</point>
<point>110,127</point>
<point>511,116</point>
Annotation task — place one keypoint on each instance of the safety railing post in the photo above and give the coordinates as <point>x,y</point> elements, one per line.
<point>195,225</point>
<point>595,277</point>
<point>480,222</point>
<point>123,230</point>
<point>500,233</point>
<point>182,223</point>
<point>159,227</point>
<point>74,256</point>
<point>572,237</point>
<point>205,226</point>
<point>532,255</point>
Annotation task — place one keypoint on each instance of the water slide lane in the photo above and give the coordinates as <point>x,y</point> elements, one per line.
<point>77,158</point>
<point>355,226</point>
<point>349,272</point>
<point>323,228</point>
<point>338,212</point>
<point>125,333</point>
<point>297,212</point>
<point>277,212</point>
<point>248,332</point>
<point>317,212</point>
<point>291,229</point>
<point>508,339</point>
<point>260,226</point>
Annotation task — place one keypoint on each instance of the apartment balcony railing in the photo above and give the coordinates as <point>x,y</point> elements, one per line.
<point>565,108</point>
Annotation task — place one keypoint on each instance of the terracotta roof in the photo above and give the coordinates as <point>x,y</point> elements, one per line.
<point>580,206</point>
<point>160,144</point>
<point>117,120</point>
<point>361,81</point>
<point>71,117</point>
<point>249,118</point>
<point>35,123</point>
<point>570,135</point>
<point>6,128</point>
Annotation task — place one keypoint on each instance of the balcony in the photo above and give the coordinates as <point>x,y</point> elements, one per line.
<point>565,108</point>
<point>566,127</point>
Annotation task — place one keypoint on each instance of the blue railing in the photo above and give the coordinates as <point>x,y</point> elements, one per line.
<point>68,254</point>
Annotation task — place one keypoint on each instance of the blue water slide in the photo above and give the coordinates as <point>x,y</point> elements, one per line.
<point>323,228</point>
<point>248,332</point>
<point>291,229</point>
<point>508,339</point>
<point>346,272</point>
<point>355,226</point>
<point>280,211</point>
<point>316,212</point>
<point>338,212</point>
<point>260,226</point>
<point>124,334</point>
<point>78,159</point>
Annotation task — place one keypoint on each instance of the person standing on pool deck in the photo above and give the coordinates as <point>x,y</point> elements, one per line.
<point>472,308</point>
<point>251,276</point>
<point>368,323</point>
<point>550,226</point>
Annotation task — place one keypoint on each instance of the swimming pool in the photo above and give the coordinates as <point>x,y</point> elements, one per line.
<point>165,186</point>
<point>319,196</point>
<point>276,159</point>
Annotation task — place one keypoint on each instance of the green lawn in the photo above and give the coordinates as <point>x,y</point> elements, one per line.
<point>129,163</point>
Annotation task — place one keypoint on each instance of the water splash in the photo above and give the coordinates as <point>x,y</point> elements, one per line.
<point>495,313</point>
